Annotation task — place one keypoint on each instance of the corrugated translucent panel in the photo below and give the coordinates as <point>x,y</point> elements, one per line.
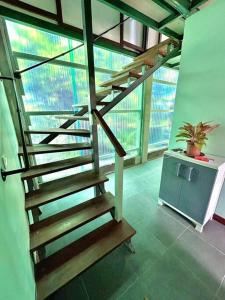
<point>126,127</point>
<point>133,32</point>
<point>163,96</point>
<point>110,60</point>
<point>53,87</point>
<point>166,74</point>
<point>56,88</point>
<point>160,127</point>
<point>162,92</point>
<point>162,105</point>
<point>38,42</point>
<point>153,37</point>
<point>33,41</point>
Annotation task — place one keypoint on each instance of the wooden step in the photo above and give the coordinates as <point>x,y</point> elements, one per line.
<point>76,132</point>
<point>108,90</point>
<point>136,66</point>
<point>51,148</point>
<point>155,49</point>
<point>61,267</point>
<point>77,106</point>
<point>72,118</point>
<point>104,92</point>
<point>120,79</point>
<point>56,166</point>
<point>46,231</point>
<point>62,187</point>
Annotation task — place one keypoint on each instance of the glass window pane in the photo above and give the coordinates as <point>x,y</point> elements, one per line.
<point>54,87</point>
<point>166,74</point>
<point>162,107</point>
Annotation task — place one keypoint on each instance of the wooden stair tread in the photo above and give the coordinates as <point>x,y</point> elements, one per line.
<point>73,118</point>
<point>50,148</point>
<point>155,49</point>
<point>108,90</point>
<point>61,267</point>
<point>62,187</point>
<point>104,92</point>
<point>79,132</point>
<point>48,230</point>
<point>120,79</point>
<point>136,66</point>
<point>56,166</point>
<point>80,106</point>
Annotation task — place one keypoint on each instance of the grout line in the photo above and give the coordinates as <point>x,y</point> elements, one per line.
<point>128,288</point>
<point>168,214</point>
<point>180,235</point>
<point>218,289</point>
<point>84,287</point>
<point>207,242</point>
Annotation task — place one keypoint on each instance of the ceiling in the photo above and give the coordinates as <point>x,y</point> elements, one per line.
<point>150,20</point>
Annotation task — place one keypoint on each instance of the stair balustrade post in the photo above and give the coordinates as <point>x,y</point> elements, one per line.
<point>118,187</point>
<point>89,52</point>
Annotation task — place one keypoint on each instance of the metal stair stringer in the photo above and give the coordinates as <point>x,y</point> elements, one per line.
<point>137,82</point>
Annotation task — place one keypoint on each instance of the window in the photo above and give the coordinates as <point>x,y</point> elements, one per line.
<point>162,107</point>
<point>67,85</point>
<point>57,86</point>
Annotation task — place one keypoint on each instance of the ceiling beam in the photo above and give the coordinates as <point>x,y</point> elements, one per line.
<point>63,29</point>
<point>197,3</point>
<point>138,16</point>
<point>168,20</point>
<point>165,6</point>
<point>182,6</point>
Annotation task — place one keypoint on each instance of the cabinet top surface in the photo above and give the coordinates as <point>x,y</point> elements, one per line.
<point>214,162</point>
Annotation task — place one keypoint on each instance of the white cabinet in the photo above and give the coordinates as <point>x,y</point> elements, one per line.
<point>190,186</point>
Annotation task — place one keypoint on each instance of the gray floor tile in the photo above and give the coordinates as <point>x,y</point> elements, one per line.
<point>214,233</point>
<point>172,261</point>
<point>73,290</point>
<point>220,295</point>
<point>111,276</point>
<point>164,227</point>
<point>203,260</point>
<point>170,279</point>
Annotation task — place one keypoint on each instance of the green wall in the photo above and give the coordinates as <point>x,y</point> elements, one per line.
<point>16,273</point>
<point>201,83</point>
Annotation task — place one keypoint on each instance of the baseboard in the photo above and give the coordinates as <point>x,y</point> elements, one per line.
<point>219,219</point>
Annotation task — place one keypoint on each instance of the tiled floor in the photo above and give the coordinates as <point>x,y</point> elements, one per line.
<point>172,260</point>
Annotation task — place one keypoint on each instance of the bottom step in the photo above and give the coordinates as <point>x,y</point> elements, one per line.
<point>61,267</point>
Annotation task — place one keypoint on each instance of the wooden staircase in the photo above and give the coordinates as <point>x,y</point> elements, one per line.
<point>56,270</point>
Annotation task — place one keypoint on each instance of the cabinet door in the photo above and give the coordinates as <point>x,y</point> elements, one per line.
<point>196,190</point>
<point>170,183</point>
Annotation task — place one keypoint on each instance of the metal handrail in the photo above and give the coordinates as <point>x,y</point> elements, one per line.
<point>119,149</point>
<point>26,167</point>
<point>17,74</point>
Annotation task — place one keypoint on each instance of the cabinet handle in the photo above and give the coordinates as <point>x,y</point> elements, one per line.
<point>178,169</point>
<point>190,170</point>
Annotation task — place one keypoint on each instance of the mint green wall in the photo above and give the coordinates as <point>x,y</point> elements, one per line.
<point>201,83</point>
<point>16,273</point>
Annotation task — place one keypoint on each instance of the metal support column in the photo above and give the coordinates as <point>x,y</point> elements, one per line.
<point>146,110</point>
<point>89,51</point>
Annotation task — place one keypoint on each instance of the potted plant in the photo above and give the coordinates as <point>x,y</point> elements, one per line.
<point>195,136</point>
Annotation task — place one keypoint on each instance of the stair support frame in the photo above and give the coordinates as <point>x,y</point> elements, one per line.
<point>145,119</point>
<point>137,82</point>
<point>118,212</point>
<point>89,51</point>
